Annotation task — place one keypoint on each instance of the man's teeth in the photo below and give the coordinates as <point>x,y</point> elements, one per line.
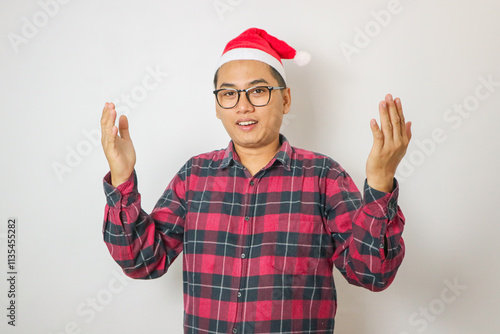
<point>247,123</point>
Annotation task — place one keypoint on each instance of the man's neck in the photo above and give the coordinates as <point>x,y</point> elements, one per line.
<point>254,159</point>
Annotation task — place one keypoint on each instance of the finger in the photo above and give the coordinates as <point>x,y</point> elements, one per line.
<point>114,132</point>
<point>104,111</point>
<point>108,117</point>
<point>104,116</point>
<point>107,106</point>
<point>378,137</point>
<point>408,130</point>
<point>399,107</point>
<point>104,123</point>
<point>123,126</point>
<point>110,123</point>
<point>395,118</point>
<point>108,129</point>
<point>385,121</point>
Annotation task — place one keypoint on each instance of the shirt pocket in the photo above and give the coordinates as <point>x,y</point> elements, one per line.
<point>298,246</point>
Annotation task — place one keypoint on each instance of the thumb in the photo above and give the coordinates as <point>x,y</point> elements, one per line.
<point>123,126</point>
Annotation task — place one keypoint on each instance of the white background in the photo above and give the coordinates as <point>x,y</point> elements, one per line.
<point>59,65</point>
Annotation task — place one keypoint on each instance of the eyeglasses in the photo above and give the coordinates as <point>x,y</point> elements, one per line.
<point>259,96</point>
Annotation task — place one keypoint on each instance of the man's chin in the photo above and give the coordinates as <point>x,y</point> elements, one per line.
<point>247,141</point>
<point>253,142</point>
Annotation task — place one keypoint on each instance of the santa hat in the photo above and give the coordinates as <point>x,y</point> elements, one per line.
<point>257,44</point>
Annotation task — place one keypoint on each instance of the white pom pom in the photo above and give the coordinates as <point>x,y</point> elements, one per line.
<point>302,58</point>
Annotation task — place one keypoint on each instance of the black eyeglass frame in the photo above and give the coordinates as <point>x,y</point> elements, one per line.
<point>270,88</point>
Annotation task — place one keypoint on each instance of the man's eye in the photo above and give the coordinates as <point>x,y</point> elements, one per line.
<point>228,94</point>
<point>258,91</point>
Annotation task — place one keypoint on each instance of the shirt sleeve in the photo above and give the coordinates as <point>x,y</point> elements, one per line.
<point>144,245</point>
<point>366,232</point>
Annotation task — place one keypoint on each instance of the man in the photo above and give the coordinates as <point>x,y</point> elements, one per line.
<point>261,224</point>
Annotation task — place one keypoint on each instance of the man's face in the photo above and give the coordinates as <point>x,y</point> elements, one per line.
<point>243,74</point>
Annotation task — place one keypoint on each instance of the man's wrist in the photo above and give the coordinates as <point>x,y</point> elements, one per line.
<point>381,185</point>
<point>117,181</point>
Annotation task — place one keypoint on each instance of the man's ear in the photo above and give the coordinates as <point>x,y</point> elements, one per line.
<point>217,112</point>
<point>287,100</point>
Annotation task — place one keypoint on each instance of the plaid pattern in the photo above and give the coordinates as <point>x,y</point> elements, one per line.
<point>258,251</point>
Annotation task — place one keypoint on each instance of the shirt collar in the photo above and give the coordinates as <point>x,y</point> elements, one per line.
<point>283,155</point>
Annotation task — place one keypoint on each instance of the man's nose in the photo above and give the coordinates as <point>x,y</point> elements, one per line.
<point>244,104</point>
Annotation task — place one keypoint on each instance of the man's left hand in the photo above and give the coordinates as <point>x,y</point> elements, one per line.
<point>390,142</point>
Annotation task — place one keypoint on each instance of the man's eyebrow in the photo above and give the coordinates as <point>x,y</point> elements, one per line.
<point>250,84</point>
<point>226,84</point>
<point>258,81</point>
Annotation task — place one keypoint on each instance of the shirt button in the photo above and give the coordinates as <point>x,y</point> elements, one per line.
<point>235,330</point>
<point>252,183</point>
<point>381,245</point>
<point>239,294</point>
<point>247,218</point>
<point>243,255</point>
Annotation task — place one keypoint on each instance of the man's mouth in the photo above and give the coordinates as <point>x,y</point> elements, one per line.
<point>246,123</point>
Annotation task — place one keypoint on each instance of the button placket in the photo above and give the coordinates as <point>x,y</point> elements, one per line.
<point>249,194</point>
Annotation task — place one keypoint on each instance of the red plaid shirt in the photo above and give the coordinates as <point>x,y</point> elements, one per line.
<point>258,251</point>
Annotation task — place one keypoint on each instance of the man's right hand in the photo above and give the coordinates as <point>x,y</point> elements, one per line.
<point>118,149</point>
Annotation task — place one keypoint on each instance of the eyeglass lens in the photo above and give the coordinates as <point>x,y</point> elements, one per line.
<point>258,97</point>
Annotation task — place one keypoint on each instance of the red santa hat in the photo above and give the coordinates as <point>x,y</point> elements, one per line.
<point>257,44</point>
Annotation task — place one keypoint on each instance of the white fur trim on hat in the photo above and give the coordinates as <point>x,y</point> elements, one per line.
<point>252,54</point>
